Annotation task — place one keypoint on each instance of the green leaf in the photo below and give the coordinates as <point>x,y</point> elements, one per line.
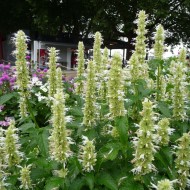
<point>27,127</point>
<point>167,153</point>
<point>128,183</point>
<point>76,112</point>
<point>53,182</point>
<point>121,124</point>
<point>73,167</point>
<point>164,109</point>
<point>89,178</point>
<point>43,141</point>
<point>77,184</point>
<point>38,173</point>
<point>107,180</point>
<point>5,98</point>
<point>109,151</point>
<point>42,162</point>
<point>163,161</point>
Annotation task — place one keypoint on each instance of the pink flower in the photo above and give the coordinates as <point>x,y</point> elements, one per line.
<point>1,108</point>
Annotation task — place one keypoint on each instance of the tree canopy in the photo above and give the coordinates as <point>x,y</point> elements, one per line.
<point>113,19</point>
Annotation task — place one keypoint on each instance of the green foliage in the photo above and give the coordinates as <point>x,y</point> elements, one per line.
<point>107,180</point>
<point>101,157</point>
<point>5,98</point>
<point>121,125</point>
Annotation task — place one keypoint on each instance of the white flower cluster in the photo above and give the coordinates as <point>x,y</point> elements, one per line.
<point>179,91</point>
<point>87,154</point>
<point>35,82</point>
<point>43,89</point>
<point>164,184</point>
<point>3,164</point>
<point>25,178</point>
<point>40,96</point>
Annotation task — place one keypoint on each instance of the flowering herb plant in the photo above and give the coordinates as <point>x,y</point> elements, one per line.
<point>109,128</point>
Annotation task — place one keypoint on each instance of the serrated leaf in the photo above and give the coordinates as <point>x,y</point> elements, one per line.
<point>76,112</point>
<point>5,98</point>
<point>168,155</point>
<point>74,168</point>
<point>89,178</point>
<point>163,107</point>
<point>43,141</point>
<point>53,183</point>
<point>122,127</point>
<point>128,183</point>
<point>132,186</point>
<point>107,180</point>
<point>163,161</point>
<point>38,173</point>
<point>26,127</point>
<point>77,184</point>
<point>109,151</point>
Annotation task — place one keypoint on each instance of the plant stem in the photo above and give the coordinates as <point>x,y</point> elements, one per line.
<point>136,94</point>
<point>31,113</point>
<point>158,83</point>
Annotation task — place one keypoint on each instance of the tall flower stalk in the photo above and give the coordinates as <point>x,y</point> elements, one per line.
<point>140,46</point>
<point>116,87</point>
<point>25,179</point>
<point>22,73</point>
<point>182,162</point>
<point>80,69</point>
<point>87,154</point>
<point>12,146</point>
<point>97,56</point>
<point>135,75</point>
<point>3,164</point>
<point>182,55</point>
<point>104,75</point>
<point>53,57</point>
<point>59,80</point>
<point>159,42</point>
<point>90,97</point>
<point>135,72</point>
<point>179,93</point>
<point>164,131</point>
<point>158,53</point>
<point>59,140</point>
<point>162,86</point>
<point>144,146</point>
